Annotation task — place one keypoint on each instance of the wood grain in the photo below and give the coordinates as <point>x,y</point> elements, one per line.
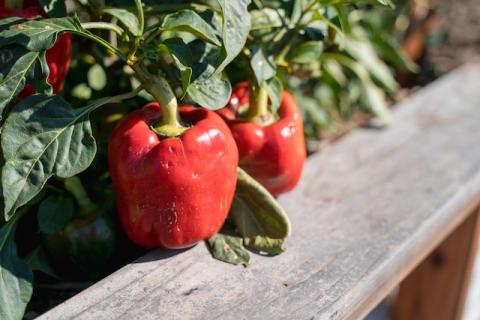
<point>368,209</point>
<point>437,288</point>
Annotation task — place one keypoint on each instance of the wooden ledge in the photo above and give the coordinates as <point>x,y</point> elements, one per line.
<point>367,211</point>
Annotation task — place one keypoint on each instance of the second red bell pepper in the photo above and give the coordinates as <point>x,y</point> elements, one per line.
<point>58,56</point>
<point>173,192</point>
<point>273,153</point>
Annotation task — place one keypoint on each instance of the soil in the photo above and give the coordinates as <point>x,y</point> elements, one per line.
<point>460,20</point>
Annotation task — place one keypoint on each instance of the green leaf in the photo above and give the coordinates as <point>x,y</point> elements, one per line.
<point>274,88</point>
<point>128,19</point>
<point>235,29</point>
<point>190,21</point>
<point>307,52</point>
<point>258,217</point>
<point>54,213</point>
<point>54,8</point>
<point>39,35</point>
<point>228,249</point>
<point>15,63</point>
<point>97,78</point>
<point>364,53</point>
<point>37,260</point>
<point>182,56</point>
<point>262,64</point>
<point>43,137</point>
<point>211,92</point>
<point>15,276</point>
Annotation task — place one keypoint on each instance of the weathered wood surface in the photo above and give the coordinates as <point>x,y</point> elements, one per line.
<point>437,288</point>
<point>367,211</point>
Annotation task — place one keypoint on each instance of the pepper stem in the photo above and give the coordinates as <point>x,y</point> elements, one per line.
<point>258,110</point>
<point>13,4</point>
<point>75,187</point>
<point>169,125</point>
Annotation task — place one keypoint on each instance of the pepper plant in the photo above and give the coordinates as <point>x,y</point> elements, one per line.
<point>172,53</point>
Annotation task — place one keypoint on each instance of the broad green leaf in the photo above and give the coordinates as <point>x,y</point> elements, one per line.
<point>307,52</point>
<point>37,260</point>
<point>190,21</point>
<point>364,53</point>
<point>128,19</point>
<point>39,35</point>
<point>235,29</point>
<point>211,92</point>
<point>54,8</point>
<point>54,213</point>
<point>15,276</point>
<point>373,97</point>
<point>182,56</point>
<point>15,63</point>
<point>228,249</point>
<point>258,217</point>
<point>262,64</point>
<point>312,111</point>
<point>97,78</point>
<point>43,137</point>
<point>274,88</point>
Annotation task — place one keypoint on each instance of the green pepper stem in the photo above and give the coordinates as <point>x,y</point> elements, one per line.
<point>169,125</point>
<point>75,187</point>
<point>103,25</point>
<point>259,102</point>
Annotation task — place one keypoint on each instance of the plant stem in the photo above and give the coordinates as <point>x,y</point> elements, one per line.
<point>75,187</point>
<point>169,125</point>
<point>140,15</point>
<point>176,7</point>
<point>259,105</point>
<point>104,26</point>
<point>87,34</point>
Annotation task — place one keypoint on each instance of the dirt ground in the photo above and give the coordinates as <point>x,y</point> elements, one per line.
<point>460,19</point>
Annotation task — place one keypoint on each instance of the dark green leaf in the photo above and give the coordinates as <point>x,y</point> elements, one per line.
<point>44,136</point>
<point>228,249</point>
<point>262,64</point>
<point>274,87</point>
<point>182,56</point>
<point>128,19</point>
<point>15,276</point>
<point>37,260</point>
<point>307,52</point>
<point>190,21</point>
<point>15,63</point>
<point>236,26</point>
<point>258,217</point>
<point>54,8</point>
<point>39,35</point>
<point>54,213</point>
<point>211,92</point>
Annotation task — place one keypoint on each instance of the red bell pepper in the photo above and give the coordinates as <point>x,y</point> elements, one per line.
<point>58,56</point>
<point>273,153</point>
<point>172,192</point>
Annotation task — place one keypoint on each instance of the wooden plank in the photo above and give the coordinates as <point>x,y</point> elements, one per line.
<point>437,288</point>
<point>368,209</point>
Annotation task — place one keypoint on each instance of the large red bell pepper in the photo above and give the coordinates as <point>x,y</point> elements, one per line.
<point>58,56</point>
<point>173,192</point>
<point>274,153</point>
